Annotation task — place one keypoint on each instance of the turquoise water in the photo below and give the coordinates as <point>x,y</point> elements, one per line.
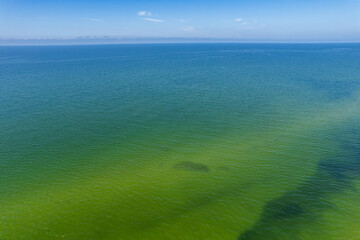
<point>180,141</point>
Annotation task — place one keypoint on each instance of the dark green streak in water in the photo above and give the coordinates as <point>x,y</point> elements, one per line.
<point>283,217</point>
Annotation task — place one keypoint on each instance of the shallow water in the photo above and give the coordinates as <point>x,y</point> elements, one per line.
<point>180,141</point>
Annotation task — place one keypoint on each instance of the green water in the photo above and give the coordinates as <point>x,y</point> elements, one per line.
<point>204,141</point>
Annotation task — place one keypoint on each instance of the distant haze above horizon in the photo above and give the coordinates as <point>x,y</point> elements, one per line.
<point>107,21</point>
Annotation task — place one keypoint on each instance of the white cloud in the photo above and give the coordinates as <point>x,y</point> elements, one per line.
<point>92,19</point>
<point>189,29</point>
<point>144,13</point>
<point>153,20</point>
<point>238,19</point>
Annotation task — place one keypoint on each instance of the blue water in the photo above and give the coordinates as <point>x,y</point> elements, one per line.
<point>180,141</point>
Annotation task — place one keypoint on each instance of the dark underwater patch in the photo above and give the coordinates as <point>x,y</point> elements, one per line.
<point>283,216</point>
<point>190,166</point>
<point>283,209</point>
<point>336,170</point>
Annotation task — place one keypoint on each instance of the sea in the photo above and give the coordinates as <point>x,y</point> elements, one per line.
<point>180,142</point>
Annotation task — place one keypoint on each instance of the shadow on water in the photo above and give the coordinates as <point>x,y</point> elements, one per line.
<point>283,217</point>
<point>191,166</point>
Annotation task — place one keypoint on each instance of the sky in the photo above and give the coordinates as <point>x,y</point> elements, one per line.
<point>247,20</point>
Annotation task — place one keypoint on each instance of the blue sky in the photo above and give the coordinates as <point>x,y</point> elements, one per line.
<point>291,20</point>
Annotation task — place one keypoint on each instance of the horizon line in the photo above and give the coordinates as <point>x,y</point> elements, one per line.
<point>138,41</point>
